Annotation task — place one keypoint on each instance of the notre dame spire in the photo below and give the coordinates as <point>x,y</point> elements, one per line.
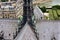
<point>27,11</point>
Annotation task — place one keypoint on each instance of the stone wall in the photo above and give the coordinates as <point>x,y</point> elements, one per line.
<point>9,27</point>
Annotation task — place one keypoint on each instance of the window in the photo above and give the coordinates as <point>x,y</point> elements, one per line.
<point>11,8</point>
<point>13,0</point>
<point>9,4</point>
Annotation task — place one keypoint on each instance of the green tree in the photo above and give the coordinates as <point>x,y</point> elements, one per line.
<point>56,6</point>
<point>43,9</point>
<point>4,0</point>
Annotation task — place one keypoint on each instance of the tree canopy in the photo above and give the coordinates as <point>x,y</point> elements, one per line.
<point>43,9</point>
<point>4,0</point>
<point>56,6</point>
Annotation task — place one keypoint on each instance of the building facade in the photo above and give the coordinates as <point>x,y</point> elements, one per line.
<point>8,0</point>
<point>7,9</point>
<point>19,8</point>
<point>40,1</point>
